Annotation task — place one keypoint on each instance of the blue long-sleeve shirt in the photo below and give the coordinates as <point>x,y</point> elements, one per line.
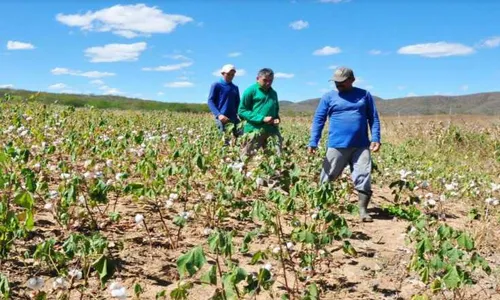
<point>350,115</point>
<point>224,98</point>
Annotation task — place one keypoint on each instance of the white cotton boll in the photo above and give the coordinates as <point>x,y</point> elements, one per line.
<point>173,196</point>
<point>321,252</point>
<point>53,194</point>
<point>431,202</point>
<point>98,174</point>
<point>314,216</point>
<point>207,231</point>
<point>248,174</point>
<point>109,163</point>
<point>59,283</point>
<point>48,206</point>
<point>75,273</point>
<point>209,197</point>
<point>495,187</point>
<point>139,218</point>
<point>169,204</point>
<point>121,137</point>
<point>87,163</point>
<point>442,198</point>
<point>449,187</point>
<point>429,196</point>
<point>495,202</point>
<point>43,145</point>
<point>259,181</point>
<point>65,175</point>
<point>23,133</point>
<point>289,245</point>
<point>35,283</point>
<point>268,267</point>
<point>276,250</point>
<point>81,199</point>
<point>120,293</point>
<point>36,167</point>
<point>87,175</point>
<point>52,168</point>
<point>118,176</point>
<point>109,182</point>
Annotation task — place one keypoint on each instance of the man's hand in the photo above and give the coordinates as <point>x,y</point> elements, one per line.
<point>223,119</point>
<point>268,120</point>
<point>311,150</point>
<point>374,146</point>
<point>276,121</point>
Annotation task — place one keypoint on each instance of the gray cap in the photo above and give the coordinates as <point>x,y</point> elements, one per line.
<point>342,74</point>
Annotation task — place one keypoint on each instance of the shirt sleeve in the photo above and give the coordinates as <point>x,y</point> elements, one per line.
<point>213,99</point>
<point>373,118</point>
<point>319,120</point>
<point>245,109</point>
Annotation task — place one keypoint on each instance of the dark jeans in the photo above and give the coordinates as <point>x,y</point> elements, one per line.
<point>222,128</point>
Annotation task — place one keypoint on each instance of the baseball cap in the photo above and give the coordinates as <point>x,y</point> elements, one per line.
<point>342,74</point>
<point>227,68</point>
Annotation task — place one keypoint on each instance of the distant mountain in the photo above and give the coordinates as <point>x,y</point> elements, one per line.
<point>477,104</point>
<point>480,104</point>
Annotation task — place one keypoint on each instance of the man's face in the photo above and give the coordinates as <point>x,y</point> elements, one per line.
<point>228,77</point>
<point>344,85</point>
<point>265,82</point>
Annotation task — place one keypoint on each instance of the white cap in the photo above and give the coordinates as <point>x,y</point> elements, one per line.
<point>227,68</point>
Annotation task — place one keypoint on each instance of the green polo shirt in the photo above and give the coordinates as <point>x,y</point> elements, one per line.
<point>255,105</point>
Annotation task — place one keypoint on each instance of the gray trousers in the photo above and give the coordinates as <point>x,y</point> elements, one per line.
<point>360,163</point>
<point>260,140</point>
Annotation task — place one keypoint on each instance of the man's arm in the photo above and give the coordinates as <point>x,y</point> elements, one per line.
<point>373,119</point>
<point>213,98</point>
<point>319,120</point>
<point>245,109</point>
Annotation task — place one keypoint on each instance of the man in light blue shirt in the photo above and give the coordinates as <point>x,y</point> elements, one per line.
<point>351,111</point>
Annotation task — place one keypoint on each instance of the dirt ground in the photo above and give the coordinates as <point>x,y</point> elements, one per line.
<point>379,271</point>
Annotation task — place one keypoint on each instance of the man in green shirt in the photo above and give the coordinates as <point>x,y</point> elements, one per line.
<point>259,107</point>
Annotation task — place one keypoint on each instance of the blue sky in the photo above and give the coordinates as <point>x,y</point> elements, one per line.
<point>170,50</point>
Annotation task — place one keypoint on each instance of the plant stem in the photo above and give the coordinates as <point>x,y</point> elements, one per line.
<point>281,253</point>
<point>166,227</point>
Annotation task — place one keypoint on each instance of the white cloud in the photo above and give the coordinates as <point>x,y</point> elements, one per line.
<point>492,42</point>
<point>283,75</point>
<point>375,52</point>
<point>97,82</point>
<point>15,45</point>
<point>327,50</point>
<point>464,87</point>
<point>6,86</point>
<point>69,92</point>
<point>411,94</point>
<point>234,54</point>
<point>160,93</point>
<point>128,21</point>
<point>58,86</point>
<point>439,49</point>
<point>239,72</point>
<point>115,52</point>
<point>90,74</point>
<point>179,84</point>
<point>299,25</point>
<point>110,91</point>
<point>333,67</point>
<point>178,57</point>
<point>168,68</point>
<point>401,87</point>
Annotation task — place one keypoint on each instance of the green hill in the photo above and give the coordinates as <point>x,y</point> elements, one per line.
<point>477,104</point>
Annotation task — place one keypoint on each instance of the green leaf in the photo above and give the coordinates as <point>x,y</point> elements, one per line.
<point>161,294</point>
<point>104,267</point>
<point>258,256</point>
<point>24,199</point>
<point>452,278</point>
<point>210,276</point>
<point>349,249</point>
<point>436,285</point>
<point>465,241</point>
<point>191,262</point>
<point>138,289</point>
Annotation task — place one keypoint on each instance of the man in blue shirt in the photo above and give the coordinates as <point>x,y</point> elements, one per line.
<point>224,99</point>
<point>351,111</point>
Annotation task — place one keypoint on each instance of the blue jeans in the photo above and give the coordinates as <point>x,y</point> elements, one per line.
<point>359,160</point>
<point>222,127</point>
